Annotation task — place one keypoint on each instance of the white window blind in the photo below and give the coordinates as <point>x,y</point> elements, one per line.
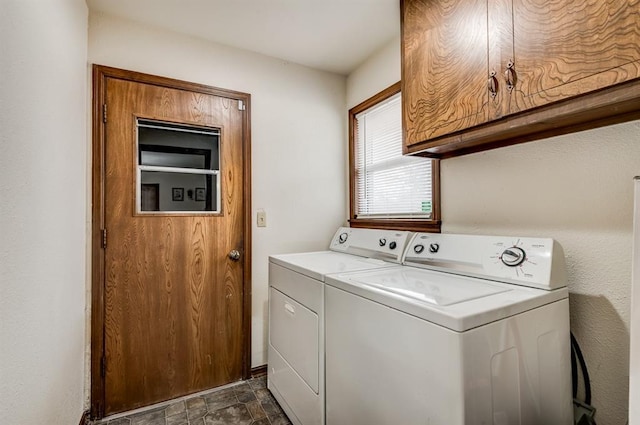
<point>388,184</point>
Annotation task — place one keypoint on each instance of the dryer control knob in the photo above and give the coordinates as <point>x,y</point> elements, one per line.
<point>382,241</point>
<point>418,249</point>
<point>433,248</point>
<point>513,257</point>
<point>342,238</point>
<point>392,245</point>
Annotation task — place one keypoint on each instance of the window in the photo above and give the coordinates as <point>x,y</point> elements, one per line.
<point>389,190</point>
<point>178,168</point>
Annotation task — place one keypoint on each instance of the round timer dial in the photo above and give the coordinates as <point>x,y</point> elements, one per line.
<point>513,257</point>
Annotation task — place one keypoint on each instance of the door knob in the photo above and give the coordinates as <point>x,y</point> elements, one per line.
<point>234,255</point>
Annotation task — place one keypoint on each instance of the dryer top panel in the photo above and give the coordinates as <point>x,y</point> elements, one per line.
<point>350,250</point>
<point>318,264</point>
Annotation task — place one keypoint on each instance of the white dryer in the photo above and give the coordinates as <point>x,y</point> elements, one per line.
<point>475,331</point>
<point>296,313</point>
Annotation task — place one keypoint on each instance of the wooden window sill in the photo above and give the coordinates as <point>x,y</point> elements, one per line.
<point>429,226</point>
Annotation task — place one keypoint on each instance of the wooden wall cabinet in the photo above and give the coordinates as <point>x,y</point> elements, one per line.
<point>482,74</point>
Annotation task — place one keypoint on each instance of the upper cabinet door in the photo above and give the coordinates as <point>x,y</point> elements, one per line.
<point>501,56</point>
<point>483,74</point>
<point>445,67</point>
<point>567,48</point>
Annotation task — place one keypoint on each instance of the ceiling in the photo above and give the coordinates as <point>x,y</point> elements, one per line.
<point>330,35</point>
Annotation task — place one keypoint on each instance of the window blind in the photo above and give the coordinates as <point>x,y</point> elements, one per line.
<point>388,184</point>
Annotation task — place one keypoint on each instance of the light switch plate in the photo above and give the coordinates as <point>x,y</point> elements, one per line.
<point>262,218</point>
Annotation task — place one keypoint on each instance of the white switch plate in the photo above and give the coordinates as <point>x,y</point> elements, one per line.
<point>262,218</point>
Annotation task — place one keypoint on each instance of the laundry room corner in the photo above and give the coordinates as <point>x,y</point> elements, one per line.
<point>575,188</point>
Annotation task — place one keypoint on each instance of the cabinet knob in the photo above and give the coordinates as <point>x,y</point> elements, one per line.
<point>510,75</point>
<point>492,84</point>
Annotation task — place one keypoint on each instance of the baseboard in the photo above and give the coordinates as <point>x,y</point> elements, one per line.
<point>84,419</point>
<point>259,371</point>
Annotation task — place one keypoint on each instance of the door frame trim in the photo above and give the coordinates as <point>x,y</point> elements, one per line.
<point>100,75</point>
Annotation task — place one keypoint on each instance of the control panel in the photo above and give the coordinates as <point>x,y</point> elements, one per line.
<point>534,262</point>
<point>372,243</point>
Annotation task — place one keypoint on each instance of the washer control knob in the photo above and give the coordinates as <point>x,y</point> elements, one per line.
<point>343,237</point>
<point>513,256</point>
<point>434,247</point>
<point>382,241</point>
<point>418,248</point>
<point>392,245</point>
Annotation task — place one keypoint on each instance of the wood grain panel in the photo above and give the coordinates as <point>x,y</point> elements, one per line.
<point>173,300</point>
<point>613,105</point>
<point>444,67</point>
<point>567,48</point>
<point>500,45</point>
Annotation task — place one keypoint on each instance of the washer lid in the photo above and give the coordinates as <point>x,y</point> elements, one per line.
<point>445,290</point>
<point>318,264</point>
<point>456,302</point>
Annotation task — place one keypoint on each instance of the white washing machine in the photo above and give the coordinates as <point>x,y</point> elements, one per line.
<point>473,330</point>
<point>296,313</point>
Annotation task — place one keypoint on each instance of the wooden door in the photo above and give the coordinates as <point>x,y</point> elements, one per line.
<point>567,48</point>
<point>175,304</point>
<point>444,67</point>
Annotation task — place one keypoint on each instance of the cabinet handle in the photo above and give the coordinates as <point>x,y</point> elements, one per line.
<point>492,84</point>
<point>510,76</point>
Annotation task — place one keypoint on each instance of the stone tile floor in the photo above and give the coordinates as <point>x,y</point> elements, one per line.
<point>246,403</point>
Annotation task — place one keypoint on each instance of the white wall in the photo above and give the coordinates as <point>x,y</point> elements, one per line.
<point>42,210</point>
<point>298,133</point>
<point>379,71</point>
<point>574,188</point>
